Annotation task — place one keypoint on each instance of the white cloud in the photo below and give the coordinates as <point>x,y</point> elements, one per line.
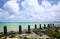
<point>3,13</point>
<point>46,4</point>
<point>32,11</point>
<point>12,6</point>
<point>43,12</point>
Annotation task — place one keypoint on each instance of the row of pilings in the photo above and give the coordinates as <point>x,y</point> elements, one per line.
<point>20,28</point>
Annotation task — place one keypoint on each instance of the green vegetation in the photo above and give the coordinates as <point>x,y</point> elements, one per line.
<point>12,34</point>
<point>1,36</point>
<point>37,31</point>
<point>25,38</point>
<point>53,32</point>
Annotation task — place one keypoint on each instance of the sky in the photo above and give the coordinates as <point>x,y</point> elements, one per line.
<point>29,10</point>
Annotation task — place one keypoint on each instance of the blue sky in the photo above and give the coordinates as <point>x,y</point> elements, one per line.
<point>29,10</point>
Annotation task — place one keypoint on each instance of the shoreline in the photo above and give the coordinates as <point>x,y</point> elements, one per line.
<point>16,28</point>
<point>30,33</point>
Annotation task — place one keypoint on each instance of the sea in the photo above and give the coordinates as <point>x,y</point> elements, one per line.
<point>14,26</point>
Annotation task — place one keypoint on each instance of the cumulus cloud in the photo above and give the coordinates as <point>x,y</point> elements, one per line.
<point>41,12</point>
<point>12,6</point>
<point>3,13</point>
<point>46,4</point>
<point>32,11</point>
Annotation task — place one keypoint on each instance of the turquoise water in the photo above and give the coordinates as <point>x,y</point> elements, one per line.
<point>13,26</point>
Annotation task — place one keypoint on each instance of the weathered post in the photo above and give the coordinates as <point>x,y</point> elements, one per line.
<point>35,26</point>
<point>48,25</point>
<point>53,24</point>
<point>20,29</point>
<point>28,28</point>
<point>5,30</point>
<point>40,26</point>
<point>44,26</point>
